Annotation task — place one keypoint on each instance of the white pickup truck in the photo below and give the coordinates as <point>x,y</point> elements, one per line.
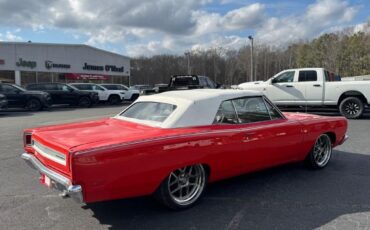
<point>314,87</point>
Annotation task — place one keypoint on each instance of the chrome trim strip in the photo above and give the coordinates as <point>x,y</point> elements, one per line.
<point>176,136</point>
<point>49,153</point>
<point>59,181</point>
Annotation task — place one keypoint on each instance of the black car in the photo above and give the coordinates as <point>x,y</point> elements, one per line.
<point>184,82</point>
<point>3,102</point>
<point>66,94</point>
<point>20,98</point>
<point>192,82</point>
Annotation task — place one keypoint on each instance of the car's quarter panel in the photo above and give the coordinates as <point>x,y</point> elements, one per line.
<point>314,125</point>
<point>138,168</point>
<point>334,90</point>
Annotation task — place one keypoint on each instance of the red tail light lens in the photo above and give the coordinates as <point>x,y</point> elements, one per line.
<point>27,139</point>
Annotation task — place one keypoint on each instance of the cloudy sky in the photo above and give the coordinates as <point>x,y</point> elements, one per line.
<point>148,27</point>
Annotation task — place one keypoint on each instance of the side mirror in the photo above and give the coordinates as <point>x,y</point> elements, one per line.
<point>71,89</point>
<point>272,81</point>
<point>218,85</point>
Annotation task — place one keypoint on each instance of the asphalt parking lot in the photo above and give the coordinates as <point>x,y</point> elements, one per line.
<point>287,197</point>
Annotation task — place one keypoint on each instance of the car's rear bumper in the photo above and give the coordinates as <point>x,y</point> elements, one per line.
<point>58,181</point>
<point>134,96</point>
<point>3,105</point>
<point>343,139</point>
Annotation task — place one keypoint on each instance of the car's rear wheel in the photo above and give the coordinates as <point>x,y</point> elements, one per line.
<point>351,107</point>
<point>114,100</point>
<point>321,152</point>
<point>33,104</point>
<point>84,102</point>
<point>183,187</point>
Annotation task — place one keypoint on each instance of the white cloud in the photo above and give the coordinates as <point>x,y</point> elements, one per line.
<point>11,36</point>
<point>318,18</point>
<point>147,27</point>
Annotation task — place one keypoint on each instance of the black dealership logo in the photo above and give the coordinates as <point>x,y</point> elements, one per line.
<point>107,68</point>
<point>50,65</point>
<point>24,63</point>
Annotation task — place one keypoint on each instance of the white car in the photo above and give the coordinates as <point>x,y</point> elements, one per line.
<point>315,87</point>
<point>128,94</point>
<point>114,97</point>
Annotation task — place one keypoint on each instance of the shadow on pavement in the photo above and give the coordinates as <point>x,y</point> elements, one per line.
<point>288,197</point>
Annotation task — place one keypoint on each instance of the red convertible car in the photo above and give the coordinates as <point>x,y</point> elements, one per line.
<point>172,144</point>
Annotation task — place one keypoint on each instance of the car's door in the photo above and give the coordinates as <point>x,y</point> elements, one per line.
<point>52,89</point>
<point>103,94</point>
<point>267,138</point>
<point>307,82</point>
<point>226,152</point>
<point>14,96</point>
<point>67,94</point>
<point>282,91</point>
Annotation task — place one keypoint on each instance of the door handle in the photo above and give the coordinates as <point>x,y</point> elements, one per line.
<point>290,86</point>
<point>249,134</point>
<point>317,85</point>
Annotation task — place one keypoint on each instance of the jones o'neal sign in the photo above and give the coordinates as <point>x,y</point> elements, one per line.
<point>27,64</point>
<point>108,68</point>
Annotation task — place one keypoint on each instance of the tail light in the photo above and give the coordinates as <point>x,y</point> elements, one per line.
<point>27,139</point>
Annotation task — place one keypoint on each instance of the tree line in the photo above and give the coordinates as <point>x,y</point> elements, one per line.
<point>343,53</point>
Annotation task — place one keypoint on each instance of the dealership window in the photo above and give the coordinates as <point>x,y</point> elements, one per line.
<point>7,76</point>
<point>43,77</point>
<point>28,78</point>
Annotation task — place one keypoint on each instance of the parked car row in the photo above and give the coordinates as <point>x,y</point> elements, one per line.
<point>39,96</point>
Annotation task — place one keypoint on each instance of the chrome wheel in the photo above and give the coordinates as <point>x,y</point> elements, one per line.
<point>322,150</point>
<point>186,184</point>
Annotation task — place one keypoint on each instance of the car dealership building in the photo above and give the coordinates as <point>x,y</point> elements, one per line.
<point>25,63</point>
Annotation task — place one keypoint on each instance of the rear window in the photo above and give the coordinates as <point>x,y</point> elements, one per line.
<point>149,111</point>
<point>184,81</point>
<point>307,75</point>
<point>110,87</point>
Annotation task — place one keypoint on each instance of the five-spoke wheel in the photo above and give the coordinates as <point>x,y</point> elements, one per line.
<point>320,153</point>
<point>183,187</point>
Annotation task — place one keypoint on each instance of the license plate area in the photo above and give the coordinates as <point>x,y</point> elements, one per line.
<point>46,181</point>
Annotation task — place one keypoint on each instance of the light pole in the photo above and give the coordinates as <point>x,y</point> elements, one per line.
<point>188,56</point>
<point>251,78</point>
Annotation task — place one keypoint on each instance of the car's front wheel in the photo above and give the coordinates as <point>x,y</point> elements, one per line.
<point>85,102</point>
<point>183,187</point>
<point>34,104</point>
<point>321,152</point>
<point>114,100</point>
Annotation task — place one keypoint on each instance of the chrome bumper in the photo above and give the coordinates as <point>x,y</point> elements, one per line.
<point>58,181</point>
<point>344,139</point>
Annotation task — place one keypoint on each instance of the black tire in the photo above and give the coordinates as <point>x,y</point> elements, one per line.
<point>351,107</point>
<point>85,102</point>
<point>114,100</point>
<point>320,153</point>
<point>33,104</point>
<point>192,186</point>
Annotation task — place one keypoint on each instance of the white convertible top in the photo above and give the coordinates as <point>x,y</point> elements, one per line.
<point>194,107</point>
